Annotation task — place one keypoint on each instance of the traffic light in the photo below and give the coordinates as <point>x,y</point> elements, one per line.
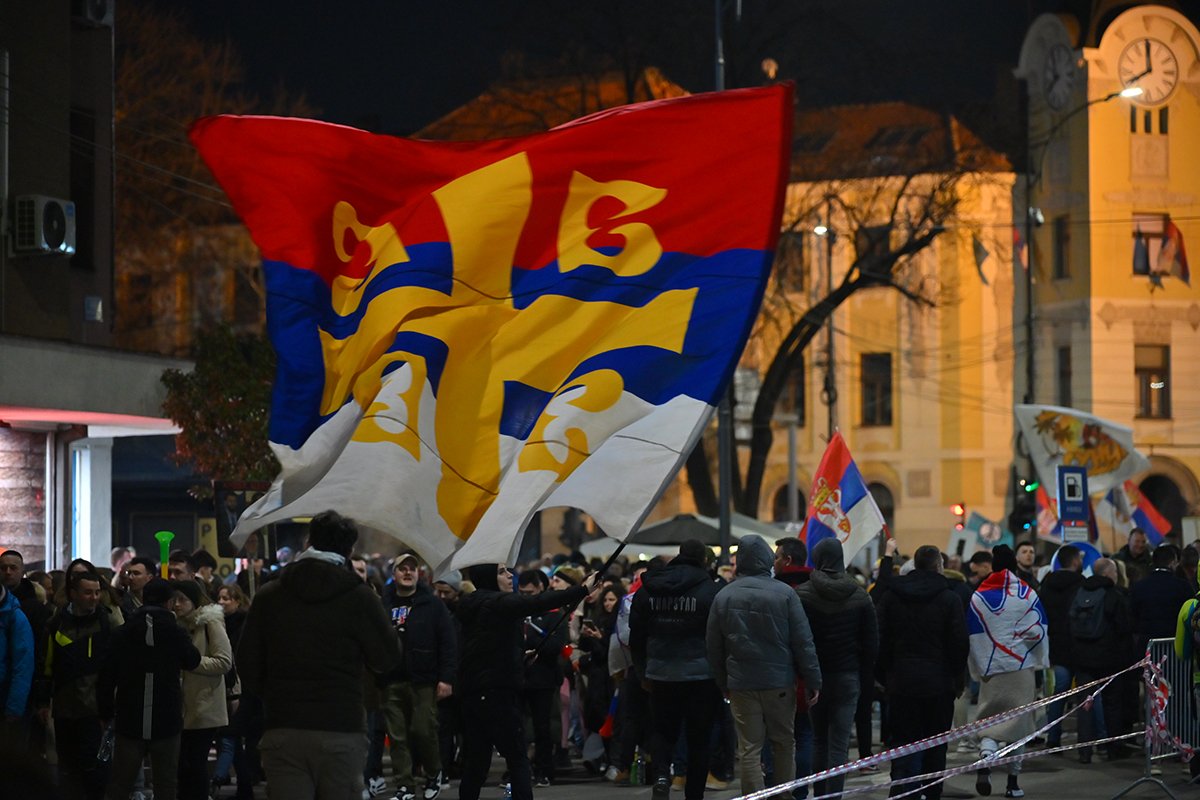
<point>1024,511</point>
<point>959,510</point>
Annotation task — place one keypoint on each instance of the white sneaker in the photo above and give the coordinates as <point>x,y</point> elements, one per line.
<point>610,774</point>
<point>376,787</point>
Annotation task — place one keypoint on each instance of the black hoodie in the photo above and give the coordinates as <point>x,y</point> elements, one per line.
<point>841,614</point>
<point>306,641</point>
<point>493,637</point>
<point>1057,592</point>
<point>923,641</point>
<point>668,621</point>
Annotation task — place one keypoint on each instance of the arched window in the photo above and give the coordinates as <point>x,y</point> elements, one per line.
<point>886,502</point>
<point>779,505</point>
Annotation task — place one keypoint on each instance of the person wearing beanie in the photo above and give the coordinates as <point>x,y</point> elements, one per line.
<point>204,710</point>
<point>491,673</point>
<point>306,642</point>
<point>139,690</point>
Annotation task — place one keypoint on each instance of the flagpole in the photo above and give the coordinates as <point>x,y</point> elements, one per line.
<point>537,651</point>
<point>725,408</point>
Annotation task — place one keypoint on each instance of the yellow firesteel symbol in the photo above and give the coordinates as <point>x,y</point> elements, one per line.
<point>489,340</point>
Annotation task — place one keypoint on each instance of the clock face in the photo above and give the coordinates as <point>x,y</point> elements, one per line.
<point>1150,64</point>
<point>1058,76</point>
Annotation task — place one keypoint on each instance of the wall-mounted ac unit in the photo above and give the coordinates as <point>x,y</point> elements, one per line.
<point>43,225</point>
<point>96,13</point>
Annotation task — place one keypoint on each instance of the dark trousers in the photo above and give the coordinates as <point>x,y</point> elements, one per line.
<point>635,718</point>
<point>449,730</point>
<point>911,719</point>
<point>494,720</point>
<point>1114,711</point>
<point>540,703</point>
<point>694,706</point>
<point>77,741</point>
<point>832,718</point>
<point>193,763</point>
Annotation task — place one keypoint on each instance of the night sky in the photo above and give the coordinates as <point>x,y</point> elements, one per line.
<point>395,65</point>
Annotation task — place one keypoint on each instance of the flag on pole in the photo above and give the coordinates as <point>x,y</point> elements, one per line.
<point>1047,516</point>
<point>840,505</point>
<point>1172,255</point>
<point>1125,508</point>
<point>468,332</point>
<point>1141,253</point>
<point>1057,436</point>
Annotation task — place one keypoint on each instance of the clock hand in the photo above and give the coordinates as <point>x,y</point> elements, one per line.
<point>1149,66</point>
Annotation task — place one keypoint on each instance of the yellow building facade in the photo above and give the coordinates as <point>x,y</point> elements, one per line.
<point>923,386</point>
<point>1114,184</point>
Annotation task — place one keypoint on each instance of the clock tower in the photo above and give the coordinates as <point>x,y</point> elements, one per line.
<point>1106,315</point>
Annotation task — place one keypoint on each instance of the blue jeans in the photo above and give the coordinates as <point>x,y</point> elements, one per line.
<point>804,752</point>
<point>1062,682</point>
<point>833,719</point>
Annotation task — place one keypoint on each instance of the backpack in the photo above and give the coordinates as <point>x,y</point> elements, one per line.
<point>1194,625</point>
<point>1087,614</point>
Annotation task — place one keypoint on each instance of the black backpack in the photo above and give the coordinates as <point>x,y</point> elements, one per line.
<point>1087,614</point>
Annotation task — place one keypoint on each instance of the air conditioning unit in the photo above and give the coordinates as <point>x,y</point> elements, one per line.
<point>95,13</point>
<point>43,225</point>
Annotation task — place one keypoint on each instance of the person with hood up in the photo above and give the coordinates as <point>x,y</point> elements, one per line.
<point>491,673</point>
<point>204,710</point>
<point>846,635</point>
<point>922,662</point>
<point>140,687</point>
<point>759,643</point>
<point>1057,591</point>
<point>668,621</point>
<point>1007,627</point>
<point>305,643</point>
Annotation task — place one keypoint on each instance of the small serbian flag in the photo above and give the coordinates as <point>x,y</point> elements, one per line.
<point>1172,256</point>
<point>1126,508</point>
<point>840,505</point>
<point>1047,517</point>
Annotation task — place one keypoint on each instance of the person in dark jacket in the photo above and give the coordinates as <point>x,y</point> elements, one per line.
<point>491,673</point>
<point>1110,652</point>
<point>426,675</point>
<point>149,653</point>
<point>545,636</point>
<point>1157,598</point>
<point>922,659</point>
<point>1057,592</point>
<point>76,646</point>
<point>846,635</point>
<point>1135,554</point>
<point>759,643</point>
<point>668,621</point>
<point>308,637</point>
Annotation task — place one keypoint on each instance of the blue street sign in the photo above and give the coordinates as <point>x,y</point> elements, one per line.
<point>1073,495</point>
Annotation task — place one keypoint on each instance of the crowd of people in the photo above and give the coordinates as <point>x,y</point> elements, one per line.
<point>668,672</point>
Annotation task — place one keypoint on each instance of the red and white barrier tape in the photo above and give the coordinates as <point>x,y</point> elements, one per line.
<point>953,735</point>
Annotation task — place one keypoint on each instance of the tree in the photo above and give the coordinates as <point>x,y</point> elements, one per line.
<point>888,204</point>
<point>222,408</point>
<point>182,260</point>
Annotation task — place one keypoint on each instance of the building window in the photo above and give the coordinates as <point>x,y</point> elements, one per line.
<point>1064,377</point>
<point>877,389</point>
<point>794,397</point>
<point>1062,246</point>
<point>793,260</point>
<point>872,240</point>
<point>83,185</point>
<point>1148,230</point>
<point>1152,374</point>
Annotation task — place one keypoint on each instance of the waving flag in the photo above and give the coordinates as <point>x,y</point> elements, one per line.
<point>1007,626</point>
<point>1126,508</point>
<point>840,505</point>
<point>469,332</point>
<point>1059,436</point>
<point>1047,516</point>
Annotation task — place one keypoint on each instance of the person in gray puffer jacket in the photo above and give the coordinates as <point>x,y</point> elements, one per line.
<point>847,637</point>
<point>759,642</point>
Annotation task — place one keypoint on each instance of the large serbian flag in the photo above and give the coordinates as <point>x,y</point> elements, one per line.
<point>469,332</point>
<point>840,505</point>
